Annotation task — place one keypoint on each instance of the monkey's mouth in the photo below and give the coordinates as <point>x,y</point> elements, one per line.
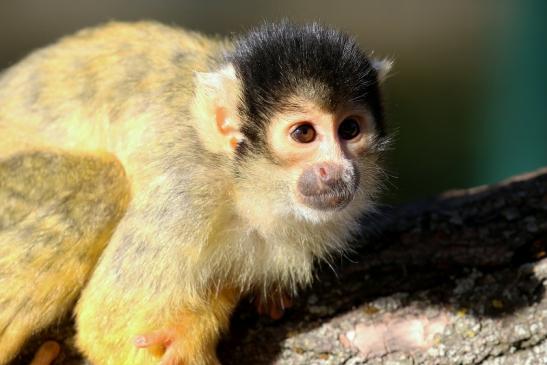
<point>328,201</point>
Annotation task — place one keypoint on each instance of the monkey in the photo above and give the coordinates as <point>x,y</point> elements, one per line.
<point>152,176</point>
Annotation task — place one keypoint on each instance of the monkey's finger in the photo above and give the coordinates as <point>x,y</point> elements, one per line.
<point>286,302</point>
<point>46,353</point>
<point>260,307</point>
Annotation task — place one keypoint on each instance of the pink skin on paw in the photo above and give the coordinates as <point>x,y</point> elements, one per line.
<point>159,338</point>
<point>406,334</point>
<point>162,340</point>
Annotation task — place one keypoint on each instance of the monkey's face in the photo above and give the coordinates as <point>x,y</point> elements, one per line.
<point>322,155</point>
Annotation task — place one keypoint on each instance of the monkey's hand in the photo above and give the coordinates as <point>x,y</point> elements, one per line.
<point>274,306</point>
<point>168,344</point>
<point>163,342</point>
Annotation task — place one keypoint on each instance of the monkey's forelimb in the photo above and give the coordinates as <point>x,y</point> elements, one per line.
<point>58,211</point>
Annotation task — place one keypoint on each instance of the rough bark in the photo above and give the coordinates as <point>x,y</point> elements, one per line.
<point>459,279</point>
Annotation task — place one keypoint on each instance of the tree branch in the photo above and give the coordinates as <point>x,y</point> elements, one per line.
<point>456,279</point>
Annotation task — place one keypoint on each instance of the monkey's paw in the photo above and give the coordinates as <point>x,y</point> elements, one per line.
<point>159,343</point>
<point>165,343</point>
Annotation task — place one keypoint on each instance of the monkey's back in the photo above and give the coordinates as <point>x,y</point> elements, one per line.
<point>102,88</point>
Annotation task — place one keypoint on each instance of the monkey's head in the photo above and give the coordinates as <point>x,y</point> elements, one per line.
<point>298,110</point>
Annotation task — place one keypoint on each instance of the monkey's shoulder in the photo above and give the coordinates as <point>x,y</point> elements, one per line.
<point>107,73</point>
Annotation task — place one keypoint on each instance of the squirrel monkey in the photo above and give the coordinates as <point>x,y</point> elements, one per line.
<point>151,176</point>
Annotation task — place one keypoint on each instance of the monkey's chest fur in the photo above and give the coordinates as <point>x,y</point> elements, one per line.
<point>259,252</point>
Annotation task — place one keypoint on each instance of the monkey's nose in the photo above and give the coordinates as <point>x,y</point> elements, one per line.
<point>328,173</point>
<point>324,186</point>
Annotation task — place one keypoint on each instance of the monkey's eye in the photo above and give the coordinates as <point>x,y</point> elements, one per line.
<point>303,133</point>
<point>349,129</point>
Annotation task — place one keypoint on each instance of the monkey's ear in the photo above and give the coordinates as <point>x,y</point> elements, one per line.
<point>215,109</point>
<point>382,67</point>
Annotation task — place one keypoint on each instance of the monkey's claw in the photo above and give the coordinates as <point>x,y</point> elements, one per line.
<point>273,307</point>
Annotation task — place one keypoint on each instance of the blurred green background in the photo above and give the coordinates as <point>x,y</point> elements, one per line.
<point>467,100</point>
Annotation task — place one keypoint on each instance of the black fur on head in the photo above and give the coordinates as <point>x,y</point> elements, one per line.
<point>277,61</point>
